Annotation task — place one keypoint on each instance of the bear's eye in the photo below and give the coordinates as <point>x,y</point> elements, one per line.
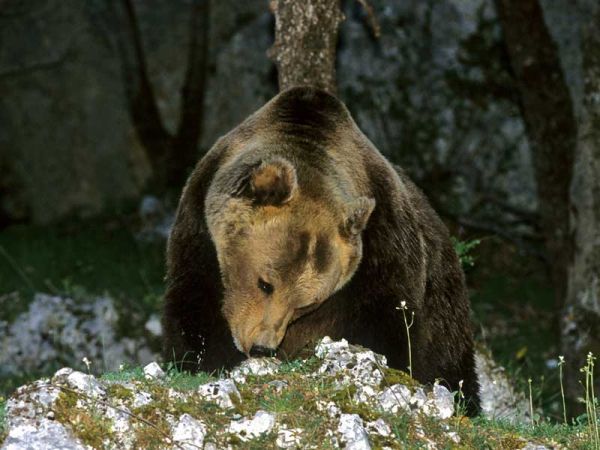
<point>267,288</point>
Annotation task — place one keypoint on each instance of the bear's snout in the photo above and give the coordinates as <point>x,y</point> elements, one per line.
<point>258,351</point>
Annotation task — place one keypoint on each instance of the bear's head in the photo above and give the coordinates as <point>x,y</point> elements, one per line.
<point>282,253</point>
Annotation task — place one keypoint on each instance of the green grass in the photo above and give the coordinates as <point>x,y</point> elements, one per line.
<point>100,257</point>
<point>2,416</point>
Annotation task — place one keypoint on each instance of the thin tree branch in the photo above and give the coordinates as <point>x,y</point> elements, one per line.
<point>193,91</point>
<point>140,95</point>
<point>371,18</point>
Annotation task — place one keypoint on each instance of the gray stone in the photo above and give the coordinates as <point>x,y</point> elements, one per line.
<point>255,366</point>
<point>353,433</point>
<point>289,438</point>
<point>36,340</point>
<point>220,392</point>
<point>499,398</point>
<point>189,433</point>
<point>246,429</point>
<point>395,398</point>
<point>357,366</point>
<point>85,383</point>
<point>141,398</point>
<point>380,427</point>
<point>441,403</point>
<point>279,385</point>
<point>154,326</point>
<point>153,371</point>
<point>43,434</point>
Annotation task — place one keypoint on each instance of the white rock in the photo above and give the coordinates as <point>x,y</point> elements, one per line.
<point>441,404</point>
<point>289,438</point>
<point>30,402</point>
<point>36,339</point>
<point>178,395</point>
<point>380,427</point>
<point>189,433</point>
<point>353,432</point>
<point>255,366</point>
<point>394,398</point>
<point>418,398</point>
<point>154,326</point>
<point>121,427</point>
<point>499,398</point>
<point>279,385</point>
<point>330,408</point>
<point>220,392</point>
<point>141,398</point>
<point>364,394</point>
<point>153,371</point>
<point>454,436</point>
<point>85,383</point>
<point>40,435</point>
<point>358,366</point>
<point>246,429</point>
<point>62,374</point>
<point>120,419</point>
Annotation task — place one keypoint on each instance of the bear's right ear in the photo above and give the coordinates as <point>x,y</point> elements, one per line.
<point>272,182</point>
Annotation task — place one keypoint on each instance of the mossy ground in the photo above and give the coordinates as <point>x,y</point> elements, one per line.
<point>297,406</point>
<point>2,418</point>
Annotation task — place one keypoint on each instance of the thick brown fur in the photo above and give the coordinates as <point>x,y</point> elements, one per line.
<point>301,161</point>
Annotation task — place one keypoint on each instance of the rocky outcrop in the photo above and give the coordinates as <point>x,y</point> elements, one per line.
<point>342,397</point>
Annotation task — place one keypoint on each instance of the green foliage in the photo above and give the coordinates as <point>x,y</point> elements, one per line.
<point>463,250</point>
<point>2,417</point>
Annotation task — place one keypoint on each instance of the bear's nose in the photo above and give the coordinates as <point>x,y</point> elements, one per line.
<point>258,351</point>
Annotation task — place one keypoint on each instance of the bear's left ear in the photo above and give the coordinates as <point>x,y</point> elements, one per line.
<point>273,182</point>
<point>358,215</point>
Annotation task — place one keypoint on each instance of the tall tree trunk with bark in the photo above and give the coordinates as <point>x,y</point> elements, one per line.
<point>551,125</point>
<point>305,42</point>
<point>581,318</point>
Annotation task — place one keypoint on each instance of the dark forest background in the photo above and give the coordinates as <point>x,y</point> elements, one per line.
<point>492,107</point>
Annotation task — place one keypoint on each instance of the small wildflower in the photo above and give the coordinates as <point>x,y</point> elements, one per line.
<point>561,360</point>
<point>87,362</point>
<point>121,367</point>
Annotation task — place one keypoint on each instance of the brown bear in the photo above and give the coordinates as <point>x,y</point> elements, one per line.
<point>294,227</point>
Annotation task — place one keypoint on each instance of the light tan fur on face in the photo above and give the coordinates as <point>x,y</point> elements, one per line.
<point>279,245</point>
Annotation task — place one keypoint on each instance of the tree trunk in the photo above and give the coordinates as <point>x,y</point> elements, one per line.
<point>305,42</point>
<point>550,121</point>
<point>171,155</point>
<point>581,317</point>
